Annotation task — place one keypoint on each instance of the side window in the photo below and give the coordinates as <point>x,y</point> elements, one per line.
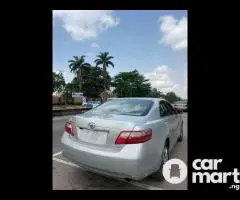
<point>170,108</point>
<point>162,109</point>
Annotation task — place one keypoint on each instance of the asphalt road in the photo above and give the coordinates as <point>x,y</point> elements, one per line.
<point>67,176</point>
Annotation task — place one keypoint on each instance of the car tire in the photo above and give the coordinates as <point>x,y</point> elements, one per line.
<point>165,157</point>
<point>180,138</point>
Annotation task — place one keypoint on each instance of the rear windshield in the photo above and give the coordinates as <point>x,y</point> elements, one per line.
<point>132,107</point>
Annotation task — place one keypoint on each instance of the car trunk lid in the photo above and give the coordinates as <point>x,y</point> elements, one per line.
<point>102,130</point>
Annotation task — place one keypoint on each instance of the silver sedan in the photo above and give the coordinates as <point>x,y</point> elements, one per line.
<point>124,137</point>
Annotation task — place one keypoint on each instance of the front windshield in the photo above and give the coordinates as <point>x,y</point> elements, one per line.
<point>133,107</point>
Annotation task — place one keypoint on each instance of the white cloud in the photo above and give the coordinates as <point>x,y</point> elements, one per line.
<point>68,76</point>
<point>85,24</point>
<point>95,45</point>
<point>173,32</point>
<point>162,79</point>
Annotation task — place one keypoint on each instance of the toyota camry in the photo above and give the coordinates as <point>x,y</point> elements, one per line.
<point>128,138</point>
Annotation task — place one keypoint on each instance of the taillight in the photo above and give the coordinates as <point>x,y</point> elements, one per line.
<point>69,128</point>
<point>134,137</point>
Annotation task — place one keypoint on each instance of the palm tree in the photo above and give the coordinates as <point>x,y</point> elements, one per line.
<point>104,59</point>
<point>76,67</point>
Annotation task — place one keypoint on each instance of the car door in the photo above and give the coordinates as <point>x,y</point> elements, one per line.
<point>175,121</point>
<point>169,120</point>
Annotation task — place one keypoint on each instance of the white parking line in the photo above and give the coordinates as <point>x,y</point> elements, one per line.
<point>66,162</point>
<point>58,153</point>
<point>148,187</point>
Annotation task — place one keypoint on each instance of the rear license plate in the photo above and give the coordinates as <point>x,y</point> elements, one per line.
<point>92,136</point>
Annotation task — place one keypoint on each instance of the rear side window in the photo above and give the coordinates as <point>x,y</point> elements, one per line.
<point>163,110</point>
<point>170,109</point>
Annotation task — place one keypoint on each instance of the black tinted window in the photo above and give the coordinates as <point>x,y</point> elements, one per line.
<point>163,110</point>
<point>170,109</point>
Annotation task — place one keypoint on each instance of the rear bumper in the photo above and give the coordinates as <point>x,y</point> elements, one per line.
<point>121,164</point>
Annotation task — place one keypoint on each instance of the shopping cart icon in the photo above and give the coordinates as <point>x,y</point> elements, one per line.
<point>175,171</point>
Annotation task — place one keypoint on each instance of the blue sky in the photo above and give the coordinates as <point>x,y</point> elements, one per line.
<point>153,42</point>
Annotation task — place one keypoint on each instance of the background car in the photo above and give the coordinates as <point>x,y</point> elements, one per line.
<point>87,105</point>
<point>94,103</point>
<point>125,138</point>
<point>180,106</point>
<point>91,104</point>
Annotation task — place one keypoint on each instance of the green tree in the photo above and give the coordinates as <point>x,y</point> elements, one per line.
<point>93,83</point>
<point>58,82</point>
<point>67,92</point>
<point>77,66</point>
<point>104,59</point>
<point>171,97</point>
<point>131,84</point>
<point>156,94</point>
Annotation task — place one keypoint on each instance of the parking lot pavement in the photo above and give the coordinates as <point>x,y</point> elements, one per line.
<point>68,176</point>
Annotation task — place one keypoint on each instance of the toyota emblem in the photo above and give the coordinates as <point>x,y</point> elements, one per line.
<point>91,125</point>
